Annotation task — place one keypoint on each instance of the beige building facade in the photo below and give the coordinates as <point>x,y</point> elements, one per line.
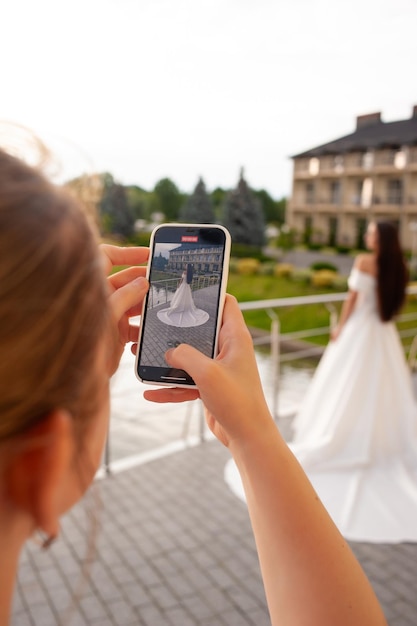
<point>340,186</point>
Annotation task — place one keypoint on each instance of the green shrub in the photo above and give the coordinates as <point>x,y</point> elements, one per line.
<point>323,265</point>
<point>340,283</point>
<point>244,251</point>
<point>266,269</point>
<point>140,239</point>
<point>302,276</point>
<point>343,249</point>
<point>233,264</point>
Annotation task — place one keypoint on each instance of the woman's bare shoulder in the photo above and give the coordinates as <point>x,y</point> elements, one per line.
<point>366,263</point>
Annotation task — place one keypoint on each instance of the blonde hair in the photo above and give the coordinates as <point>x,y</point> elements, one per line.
<point>53,302</point>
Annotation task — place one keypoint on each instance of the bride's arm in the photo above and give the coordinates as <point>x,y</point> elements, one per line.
<point>347,309</point>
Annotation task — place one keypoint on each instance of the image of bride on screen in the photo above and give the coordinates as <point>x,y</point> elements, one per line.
<point>182,311</point>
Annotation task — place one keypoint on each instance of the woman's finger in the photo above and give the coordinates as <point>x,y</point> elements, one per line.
<point>117,255</point>
<point>123,277</point>
<point>171,394</point>
<point>129,297</point>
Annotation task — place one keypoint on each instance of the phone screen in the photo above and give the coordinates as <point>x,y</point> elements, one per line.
<point>187,274</point>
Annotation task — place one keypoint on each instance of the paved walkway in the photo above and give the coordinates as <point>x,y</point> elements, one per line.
<point>305,258</point>
<point>163,541</point>
<point>174,547</point>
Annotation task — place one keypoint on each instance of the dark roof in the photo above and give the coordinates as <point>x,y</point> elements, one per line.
<point>378,134</point>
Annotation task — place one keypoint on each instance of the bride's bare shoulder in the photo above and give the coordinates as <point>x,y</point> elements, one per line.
<point>366,263</point>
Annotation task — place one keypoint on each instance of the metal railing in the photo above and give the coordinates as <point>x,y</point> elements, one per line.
<point>162,291</point>
<point>274,338</point>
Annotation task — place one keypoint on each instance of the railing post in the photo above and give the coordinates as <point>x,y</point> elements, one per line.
<point>275,357</point>
<point>107,459</point>
<point>333,315</point>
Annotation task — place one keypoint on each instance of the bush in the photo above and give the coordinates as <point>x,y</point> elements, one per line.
<point>267,269</point>
<point>323,278</point>
<point>244,251</point>
<point>283,269</point>
<point>343,249</point>
<point>302,276</point>
<point>314,246</point>
<point>233,265</point>
<point>140,239</point>
<point>247,267</point>
<point>323,265</point>
<point>340,283</point>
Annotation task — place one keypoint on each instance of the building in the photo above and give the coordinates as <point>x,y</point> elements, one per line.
<point>370,174</point>
<point>204,260</point>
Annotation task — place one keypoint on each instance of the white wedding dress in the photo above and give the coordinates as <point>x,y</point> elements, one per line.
<point>182,311</point>
<point>356,433</point>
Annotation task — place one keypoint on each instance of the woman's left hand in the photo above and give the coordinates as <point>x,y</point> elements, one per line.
<point>127,290</point>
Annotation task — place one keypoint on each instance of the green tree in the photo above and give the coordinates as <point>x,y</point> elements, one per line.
<point>274,210</point>
<point>243,216</point>
<point>168,199</point>
<point>218,197</point>
<point>281,208</point>
<point>116,216</point>
<point>140,201</point>
<point>198,208</point>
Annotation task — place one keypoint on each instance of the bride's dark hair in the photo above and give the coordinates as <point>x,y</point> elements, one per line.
<point>392,271</point>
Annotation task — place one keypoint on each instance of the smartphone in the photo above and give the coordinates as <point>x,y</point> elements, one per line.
<point>187,271</point>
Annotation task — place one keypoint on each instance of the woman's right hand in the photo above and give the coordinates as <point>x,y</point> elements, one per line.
<point>228,385</point>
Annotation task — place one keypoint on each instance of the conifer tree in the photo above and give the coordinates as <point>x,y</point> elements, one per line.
<point>199,208</point>
<point>243,215</point>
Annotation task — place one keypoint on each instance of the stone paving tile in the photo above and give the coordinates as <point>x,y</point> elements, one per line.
<point>165,336</point>
<point>175,547</point>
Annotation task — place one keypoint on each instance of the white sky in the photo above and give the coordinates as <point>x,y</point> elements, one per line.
<point>187,88</point>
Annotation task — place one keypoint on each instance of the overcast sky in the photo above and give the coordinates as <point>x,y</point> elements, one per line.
<point>185,88</point>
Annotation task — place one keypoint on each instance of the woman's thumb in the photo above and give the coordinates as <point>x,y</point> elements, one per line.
<point>187,358</point>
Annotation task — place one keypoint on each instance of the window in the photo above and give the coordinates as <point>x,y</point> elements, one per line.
<point>400,160</point>
<point>367,160</point>
<point>314,166</point>
<point>394,191</point>
<point>366,193</point>
<point>335,192</point>
<point>310,193</point>
<point>338,164</point>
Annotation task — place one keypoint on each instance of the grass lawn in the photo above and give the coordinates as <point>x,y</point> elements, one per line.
<point>248,288</point>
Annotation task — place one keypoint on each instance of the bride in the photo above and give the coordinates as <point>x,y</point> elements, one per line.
<point>182,311</point>
<point>356,433</point>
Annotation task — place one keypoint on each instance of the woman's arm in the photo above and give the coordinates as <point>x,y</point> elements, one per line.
<point>347,309</point>
<point>311,577</point>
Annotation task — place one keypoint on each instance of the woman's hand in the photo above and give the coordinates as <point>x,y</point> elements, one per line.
<point>229,385</point>
<point>127,290</point>
<point>335,332</point>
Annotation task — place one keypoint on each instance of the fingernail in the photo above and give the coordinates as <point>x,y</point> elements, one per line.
<point>168,354</point>
<point>140,282</point>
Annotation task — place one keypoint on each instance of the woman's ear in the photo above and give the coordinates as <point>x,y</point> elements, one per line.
<point>37,474</point>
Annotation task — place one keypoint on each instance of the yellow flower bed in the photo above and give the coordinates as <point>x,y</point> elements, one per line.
<point>323,278</point>
<point>283,269</point>
<point>247,267</point>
